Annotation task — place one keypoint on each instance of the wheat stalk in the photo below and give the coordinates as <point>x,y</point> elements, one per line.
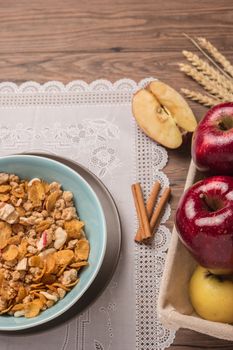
<point>203,99</point>
<point>208,70</point>
<point>215,75</point>
<point>205,44</point>
<point>212,87</point>
<point>209,58</point>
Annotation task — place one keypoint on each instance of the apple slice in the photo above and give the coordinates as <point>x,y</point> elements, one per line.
<point>175,103</point>
<point>163,114</point>
<point>154,120</point>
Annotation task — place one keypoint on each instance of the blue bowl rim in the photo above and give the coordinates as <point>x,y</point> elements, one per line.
<point>35,323</point>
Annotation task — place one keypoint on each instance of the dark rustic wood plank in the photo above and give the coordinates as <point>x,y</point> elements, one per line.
<point>48,25</point>
<point>186,339</point>
<point>94,65</point>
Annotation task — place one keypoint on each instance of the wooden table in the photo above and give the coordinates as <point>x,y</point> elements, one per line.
<point>70,39</point>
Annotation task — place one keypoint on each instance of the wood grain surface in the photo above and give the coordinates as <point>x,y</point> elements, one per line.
<point>70,39</point>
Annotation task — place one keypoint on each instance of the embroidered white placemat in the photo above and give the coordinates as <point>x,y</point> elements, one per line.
<point>93,124</point>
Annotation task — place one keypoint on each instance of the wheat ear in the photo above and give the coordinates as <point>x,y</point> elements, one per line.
<point>205,44</point>
<point>209,58</point>
<point>203,99</point>
<point>208,70</point>
<point>212,87</point>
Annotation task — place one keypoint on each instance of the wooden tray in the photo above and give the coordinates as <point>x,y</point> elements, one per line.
<point>174,307</point>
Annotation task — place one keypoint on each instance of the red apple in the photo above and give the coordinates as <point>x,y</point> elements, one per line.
<point>204,221</point>
<point>212,146</point>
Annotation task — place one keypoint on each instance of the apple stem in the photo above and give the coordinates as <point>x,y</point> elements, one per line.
<point>212,204</point>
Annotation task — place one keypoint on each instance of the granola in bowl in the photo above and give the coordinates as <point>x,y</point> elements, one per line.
<point>42,245</point>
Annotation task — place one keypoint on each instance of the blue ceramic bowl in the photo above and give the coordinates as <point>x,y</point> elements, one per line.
<point>89,210</point>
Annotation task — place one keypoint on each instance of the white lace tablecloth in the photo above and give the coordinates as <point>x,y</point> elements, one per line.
<point>93,124</point>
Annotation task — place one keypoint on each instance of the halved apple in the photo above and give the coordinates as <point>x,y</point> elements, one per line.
<point>154,120</point>
<point>162,112</point>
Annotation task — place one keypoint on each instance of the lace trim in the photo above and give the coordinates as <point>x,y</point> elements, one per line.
<point>56,93</point>
<point>149,260</point>
<point>73,86</point>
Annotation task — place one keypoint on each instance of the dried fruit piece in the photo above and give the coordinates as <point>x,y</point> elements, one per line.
<point>73,228</point>
<point>5,234</point>
<point>64,257</point>
<point>82,249</point>
<point>10,253</point>
<point>51,200</point>
<point>5,188</point>
<point>43,241</point>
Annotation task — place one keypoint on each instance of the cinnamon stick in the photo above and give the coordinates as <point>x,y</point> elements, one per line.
<point>159,209</point>
<point>149,209</point>
<point>141,210</point>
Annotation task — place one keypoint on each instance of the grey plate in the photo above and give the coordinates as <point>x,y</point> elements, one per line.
<point>112,249</point>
